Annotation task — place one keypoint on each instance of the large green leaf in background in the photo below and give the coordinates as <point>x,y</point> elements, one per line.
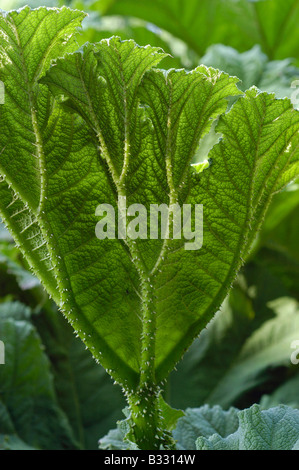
<point>212,428</point>
<point>253,68</point>
<point>236,353</point>
<point>287,393</point>
<point>271,23</point>
<point>28,404</point>
<point>85,391</point>
<point>71,167</point>
<point>204,421</point>
<point>52,393</point>
<point>277,250</point>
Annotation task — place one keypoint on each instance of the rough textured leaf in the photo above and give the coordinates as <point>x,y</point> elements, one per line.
<point>157,92</point>
<point>205,422</point>
<point>273,429</point>
<point>136,135</point>
<point>135,157</point>
<point>116,438</point>
<point>30,39</point>
<point>211,428</point>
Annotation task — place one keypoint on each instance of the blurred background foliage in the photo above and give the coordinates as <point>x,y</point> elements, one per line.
<point>52,393</point>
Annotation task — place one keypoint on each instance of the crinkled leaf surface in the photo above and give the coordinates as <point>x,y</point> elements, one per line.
<point>211,428</point>
<point>122,128</point>
<point>273,429</point>
<point>205,422</point>
<point>30,39</point>
<point>116,438</point>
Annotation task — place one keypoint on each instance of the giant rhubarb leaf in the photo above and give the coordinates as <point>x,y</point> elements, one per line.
<point>118,128</point>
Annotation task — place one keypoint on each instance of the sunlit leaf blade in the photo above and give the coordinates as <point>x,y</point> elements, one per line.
<point>29,40</point>
<point>188,286</point>
<point>260,139</point>
<point>101,282</point>
<point>121,129</point>
<point>94,276</point>
<point>102,84</point>
<point>71,77</point>
<point>23,224</point>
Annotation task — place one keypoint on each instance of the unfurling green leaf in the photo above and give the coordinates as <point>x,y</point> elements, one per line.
<point>103,125</point>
